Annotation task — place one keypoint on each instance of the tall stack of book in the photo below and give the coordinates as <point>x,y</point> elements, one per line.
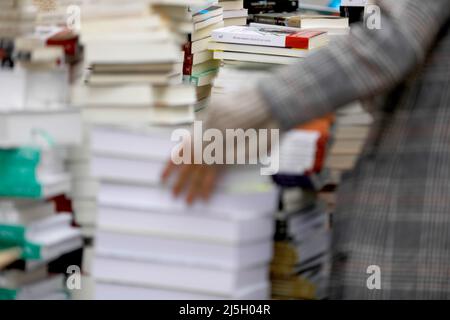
<point>299,268</point>
<point>199,66</point>
<point>129,60</point>
<point>234,13</point>
<point>350,133</point>
<point>196,21</point>
<point>149,245</point>
<point>38,126</point>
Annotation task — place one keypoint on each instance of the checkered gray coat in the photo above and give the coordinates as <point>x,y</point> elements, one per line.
<point>394,208</point>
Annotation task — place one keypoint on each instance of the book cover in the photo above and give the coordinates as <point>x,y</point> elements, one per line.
<point>263,36</point>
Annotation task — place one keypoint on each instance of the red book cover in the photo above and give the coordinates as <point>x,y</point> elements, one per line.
<point>301,40</point>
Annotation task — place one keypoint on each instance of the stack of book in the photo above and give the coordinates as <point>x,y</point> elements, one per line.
<point>299,267</point>
<point>132,76</point>
<point>350,133</point>
<point>150,245</point>
<point>303,151</point>
<point>265,44</point>
<point>199,67</point>
<point>234,13</point>
<point>37,128</point>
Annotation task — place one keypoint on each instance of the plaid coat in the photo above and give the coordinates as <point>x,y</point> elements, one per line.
<point>394,207</point>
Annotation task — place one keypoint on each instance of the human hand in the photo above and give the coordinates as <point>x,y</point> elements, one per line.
<point>197,179</point>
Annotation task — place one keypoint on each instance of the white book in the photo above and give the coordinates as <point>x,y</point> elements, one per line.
<point>116,79</point>
<point>229,14</point>
<point>133,142</point>
<point>137,95</point>
<point>206,32</point>
<point>20,128</point>
<point>242,21</point>
<point>188,225</point>
<point>232,204</point>
<point>54,184</point>
<point>268,36</point>
<point>123,291</point>
<point>58,242</point>
<point>113,26</point>
<point>253,57</point>
<point>200,45</point>
<point>231,5</point>
<point>202,56</point>
<point>113,53</point>
<point>85,211</point>
<point>208,22</point>
<point>207,13</point>
<point>139,115</point>
<point>12,212</point>
<point>84,189</point>
<point>287,52</point>
<point>175,96</point>
<point>148,247</point>
<point>36,229</point>
<point>176,276</point>
<point>128,170</point>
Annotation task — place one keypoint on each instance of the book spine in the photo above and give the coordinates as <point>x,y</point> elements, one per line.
<point>279,21</point>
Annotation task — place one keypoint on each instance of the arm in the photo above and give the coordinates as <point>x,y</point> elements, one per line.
<point>362,65</point>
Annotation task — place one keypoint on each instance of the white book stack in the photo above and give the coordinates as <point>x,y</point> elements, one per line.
<point>234,13</point>
<point>38,126</point>
<point>197,22</point>
<point>150,245</point>
<point>242,66</point>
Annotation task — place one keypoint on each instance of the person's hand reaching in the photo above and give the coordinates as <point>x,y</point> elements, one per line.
<point>198,180</point>
<point>243,110</point>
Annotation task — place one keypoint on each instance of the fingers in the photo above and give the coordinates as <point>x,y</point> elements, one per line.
<point>183,178</point>
<point>199,180</point>
<point>209,182</point>
<point>168,170</point>
<point>196,183</point>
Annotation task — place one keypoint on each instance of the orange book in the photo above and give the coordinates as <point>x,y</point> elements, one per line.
<point>323,126</point>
